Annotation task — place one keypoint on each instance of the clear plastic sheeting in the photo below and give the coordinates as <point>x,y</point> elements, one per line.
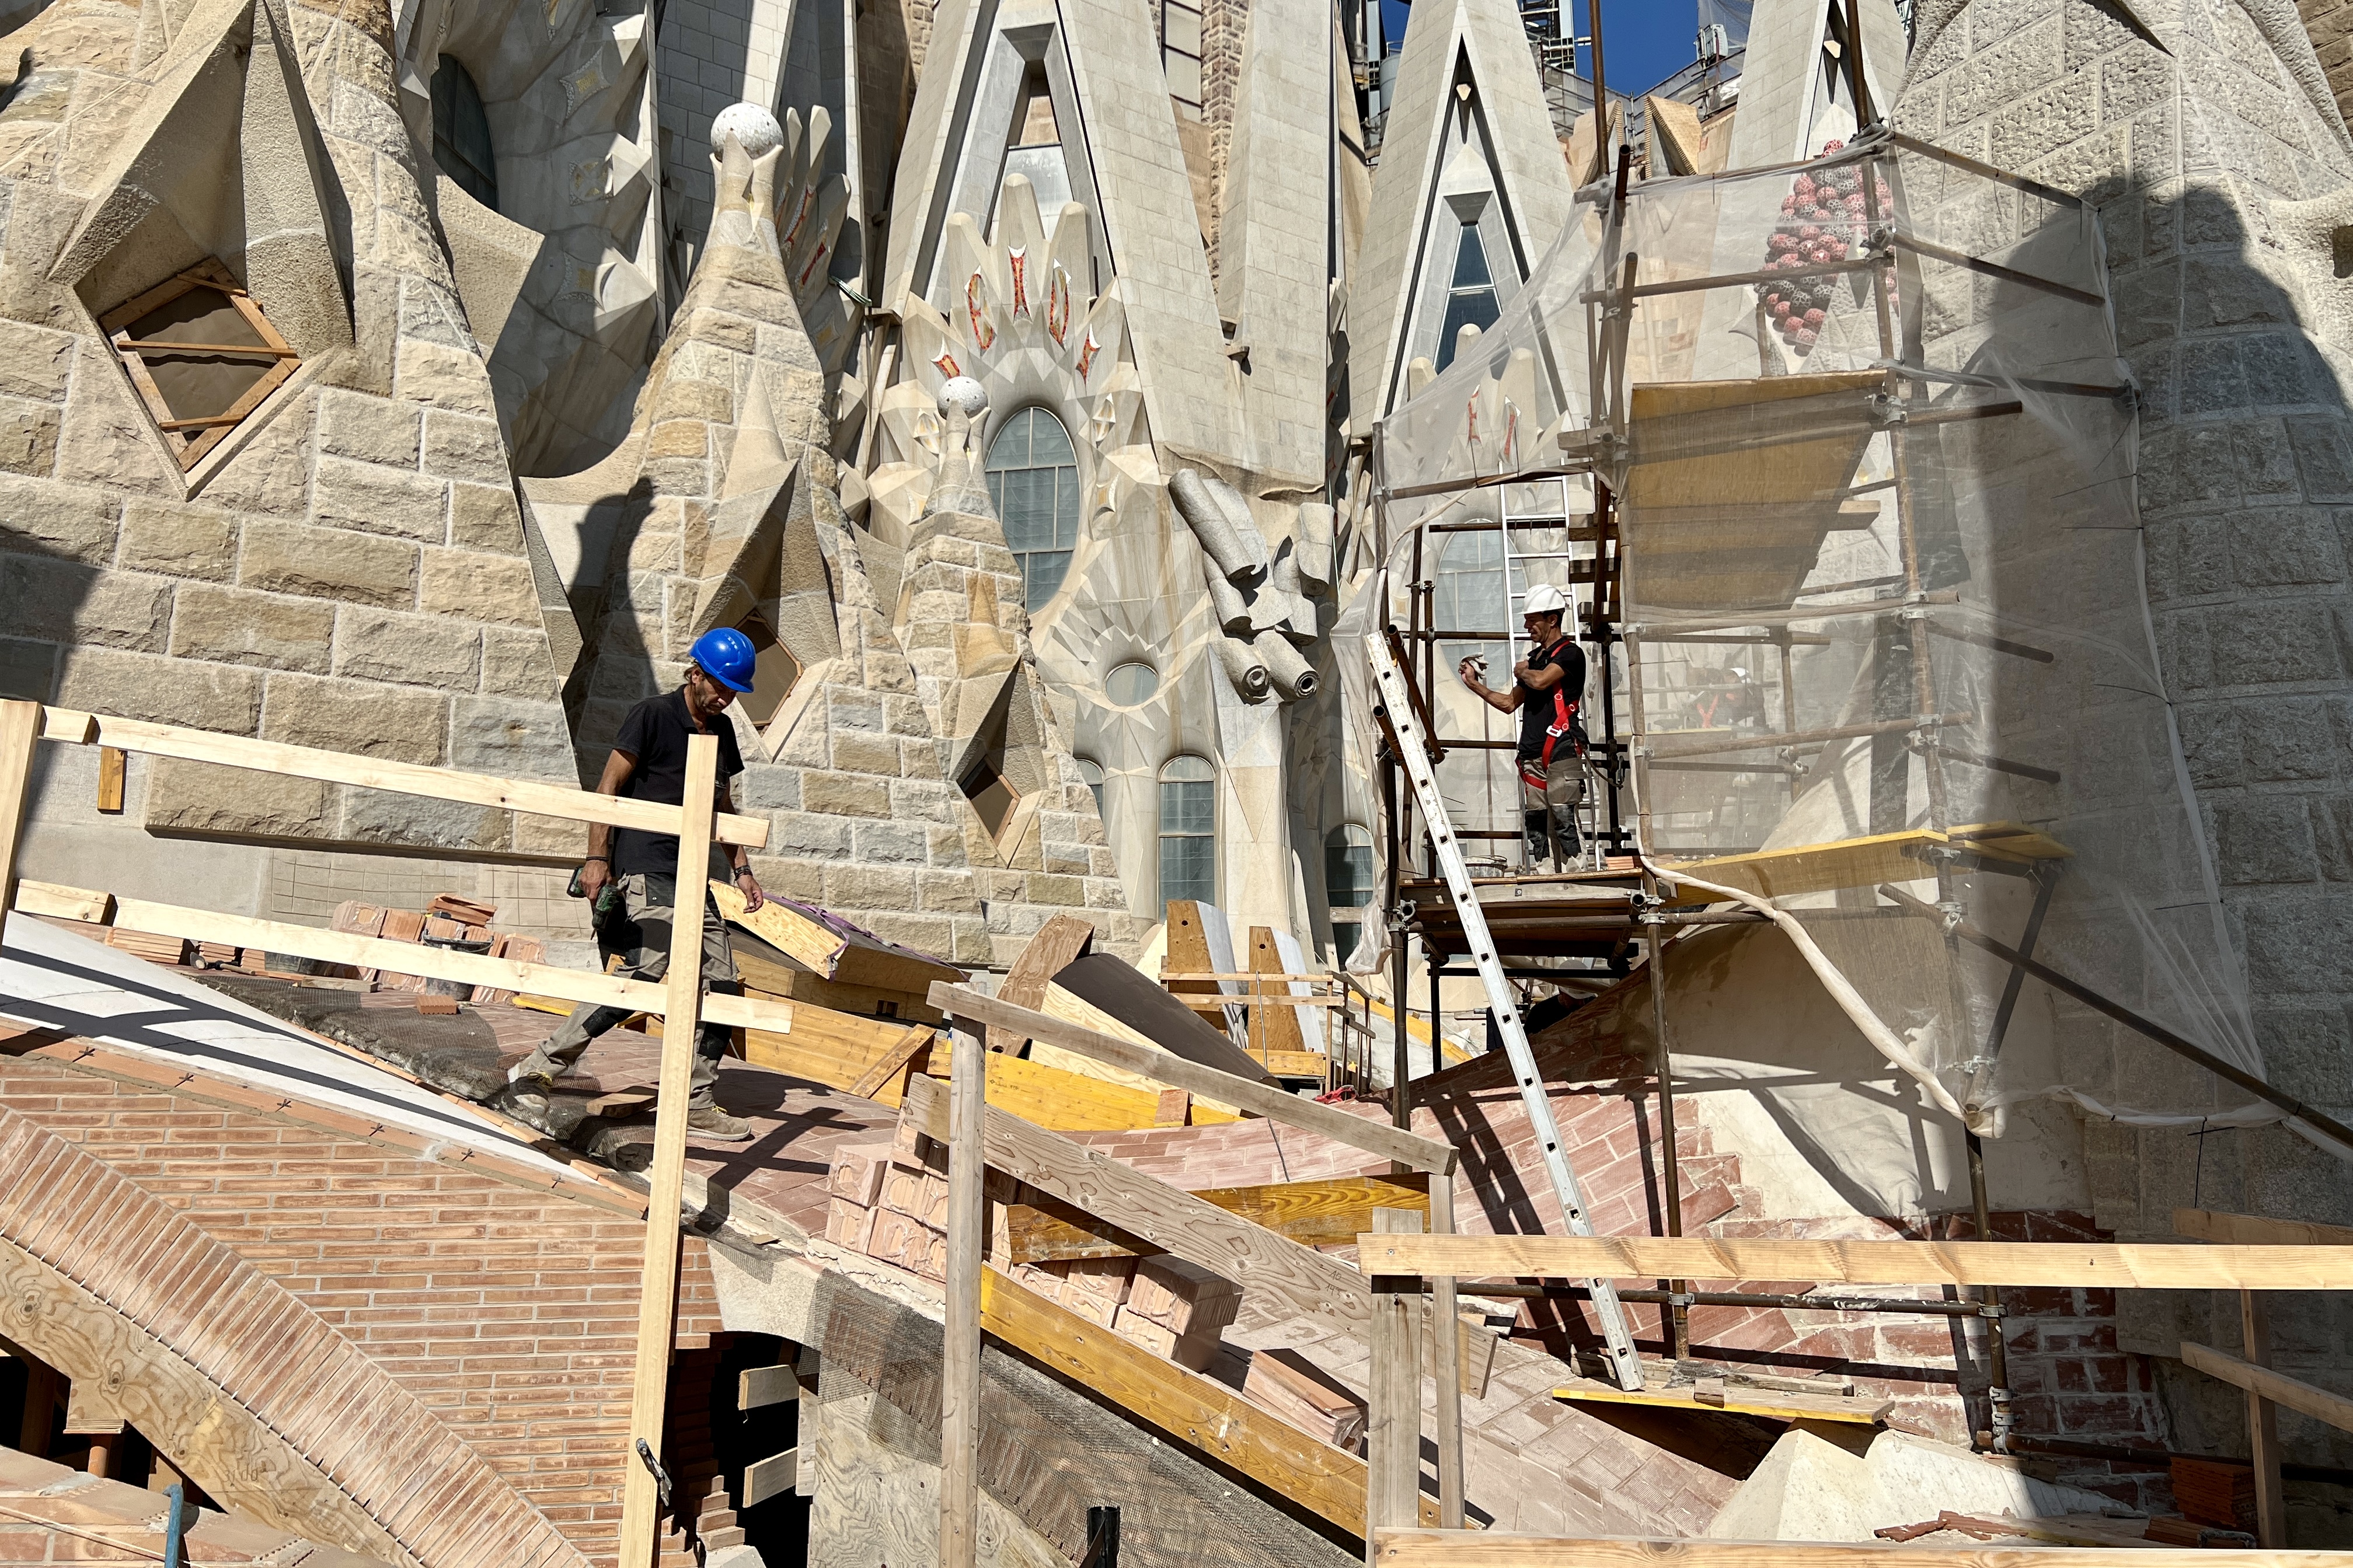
<point>1860,436</point>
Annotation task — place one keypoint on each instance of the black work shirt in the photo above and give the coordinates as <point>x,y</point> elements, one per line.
<point>655,733</point>
<point>1540,710</point>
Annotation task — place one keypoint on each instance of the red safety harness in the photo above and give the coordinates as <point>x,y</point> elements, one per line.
<point>1535,771</point>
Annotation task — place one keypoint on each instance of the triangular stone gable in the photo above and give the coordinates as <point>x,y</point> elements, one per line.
<point>1793,96</point>
<point>1446,158</point>
<point>1120,160</point>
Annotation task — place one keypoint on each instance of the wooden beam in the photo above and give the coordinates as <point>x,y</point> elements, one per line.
<point>968,1229</point>
<point>1301,1278</point>
<point>2262,1425</point>
<point>63,903</point>
<point>2334,1409</point>
<point>657,1289</point>
<point>1740,1402</point>
<point>2060,1263</point>
<point>434,962</point>
<point>1195,1411</point>
<point>771,1477</point>
<point>20,727</point>
<point>1488,1548</point>
<point>1446,1369</point>
<point>851,960</point>
<point>1328,1213</point>
<point>894,1062</point>
<point>1408,1149</point>
<point>1061,942</point>
<point>112,766</point>
<point>2253,1230</point>
<point>757,1387</point>
<point>1393,1403</point>
<point>66,724</point>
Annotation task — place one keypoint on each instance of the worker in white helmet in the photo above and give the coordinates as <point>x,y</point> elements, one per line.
<point>1546,688</point>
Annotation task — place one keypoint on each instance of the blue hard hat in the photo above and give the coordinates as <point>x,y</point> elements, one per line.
<point>727,657</point>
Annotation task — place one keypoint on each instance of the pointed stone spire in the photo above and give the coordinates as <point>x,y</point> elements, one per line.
<point>1471,191</point>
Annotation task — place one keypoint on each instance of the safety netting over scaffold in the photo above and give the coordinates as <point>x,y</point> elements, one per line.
<point>1868,450</point>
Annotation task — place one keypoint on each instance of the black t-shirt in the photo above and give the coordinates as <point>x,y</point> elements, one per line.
<point>1538,710</point>
<point>655,733</point>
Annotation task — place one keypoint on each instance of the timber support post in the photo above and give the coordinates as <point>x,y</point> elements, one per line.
<point>960,1413</point>
<point>658,1294</point>
<point>1446,1347</point>
<point>1393,1403</point>
<point>20,732</point>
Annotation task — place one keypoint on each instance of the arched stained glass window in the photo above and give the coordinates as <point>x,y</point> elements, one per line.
<point>1471,298</point>
<point>1033,478</point>
<point>462,133</point>
<point>1189,828</point>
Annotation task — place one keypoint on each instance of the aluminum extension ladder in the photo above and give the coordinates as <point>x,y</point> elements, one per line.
<point>1414,751</point>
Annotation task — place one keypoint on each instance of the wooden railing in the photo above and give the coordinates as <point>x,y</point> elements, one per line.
<point>679,1000</point>
<point>2251,1256</point>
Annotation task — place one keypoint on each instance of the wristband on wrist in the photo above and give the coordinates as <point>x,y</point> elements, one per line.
<point>599,859</point>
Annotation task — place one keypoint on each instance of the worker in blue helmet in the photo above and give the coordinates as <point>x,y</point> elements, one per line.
<point>630,877</point>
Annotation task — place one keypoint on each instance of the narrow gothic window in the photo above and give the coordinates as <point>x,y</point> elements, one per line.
<point>1347,883</point>
<point>462,133</point>
<point>1034,477</point>
<point>1188,824</point>
<point>1180,54</point>
<point>1471,298</point>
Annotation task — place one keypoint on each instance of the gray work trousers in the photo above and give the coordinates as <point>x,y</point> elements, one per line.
<point>1548,815</point>
<point>639,932</point>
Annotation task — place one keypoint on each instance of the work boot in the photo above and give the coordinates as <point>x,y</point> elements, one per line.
<point>528,1091</point>
<point>710,1121</point>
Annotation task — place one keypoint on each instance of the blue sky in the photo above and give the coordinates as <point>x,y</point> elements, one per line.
<point>1643,41</point>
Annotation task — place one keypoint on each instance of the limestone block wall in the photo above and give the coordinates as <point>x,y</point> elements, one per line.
<point>2330,23</point>
<point>348,569</point>
<point>2219,166</point>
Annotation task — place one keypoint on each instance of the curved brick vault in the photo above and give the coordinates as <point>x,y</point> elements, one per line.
<point>257,1399</point>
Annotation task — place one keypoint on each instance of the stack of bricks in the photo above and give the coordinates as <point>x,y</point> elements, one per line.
<point>447,918</point>
<point>890,1201</point>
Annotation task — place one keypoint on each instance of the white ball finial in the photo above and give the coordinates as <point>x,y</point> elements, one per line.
<point>750,124</point>
<point>962,391</point>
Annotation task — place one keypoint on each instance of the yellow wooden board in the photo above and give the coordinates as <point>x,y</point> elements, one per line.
<point>1063,1101</point>
<point>2075,1265</point>
<point>1859,862</point>
<point>1738,1402</point>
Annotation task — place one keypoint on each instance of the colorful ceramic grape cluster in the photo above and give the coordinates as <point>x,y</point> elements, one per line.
<point>1823,218</point>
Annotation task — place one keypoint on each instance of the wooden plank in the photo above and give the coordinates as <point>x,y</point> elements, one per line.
<point>786,978</point>
<point>20,728</point>
<point>2334,1409</point>
<point>657,1292</point>
<point>2262,1425</point>
<point>2253,1230</point>
<point>851,959</point>
<point>439,964</point>
<point>370,773</point>
<point>1193,1410</point>
<point>1490,1549</point>
<point>1859,862</point>
<point>894,1062</point>
<point>1393,1403</point>
<point>771,1477</point>
<point>1064,1101</point>
<point>1299,1064</point>
<point>2062,1263</point>
<point>1446,1357</point>
<point>111,767</point>
<point>1358,1132</point>
<point>968,1231</point>
<point>63,903</point>
<point>829,1047</point>
<point>1314,1214</point>
<point>1272,1030</point>
<point>1062,940</point>
<point>1740,1402</point>
<point>757,1387</point>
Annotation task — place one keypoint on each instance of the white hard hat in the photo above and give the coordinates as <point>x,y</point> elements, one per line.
<point>1543,599</point>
